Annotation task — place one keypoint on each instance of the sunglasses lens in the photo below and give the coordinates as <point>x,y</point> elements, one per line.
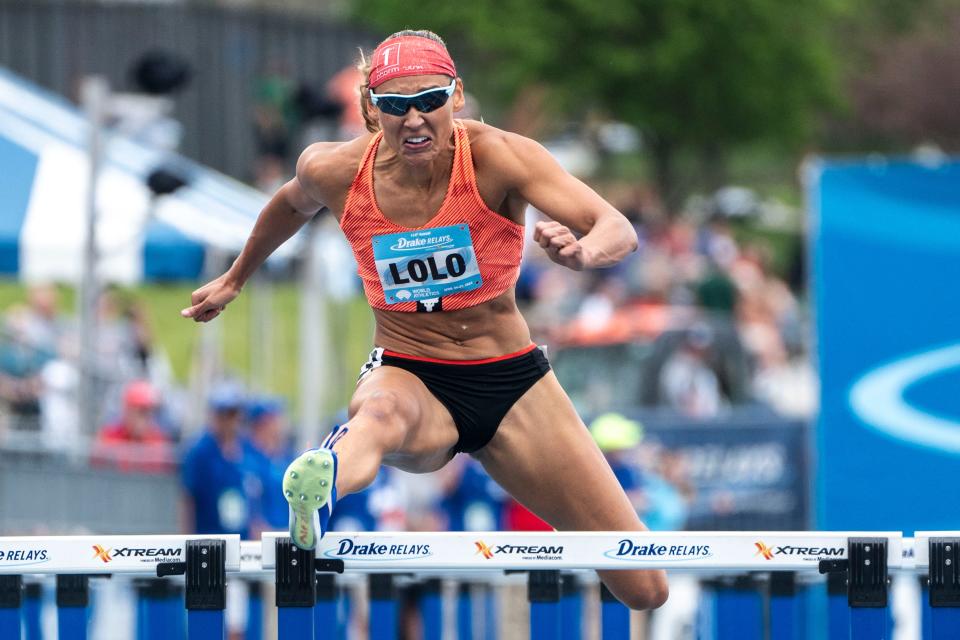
<point>393,106</point>
<point>431,101</point>
<point>399,105</point>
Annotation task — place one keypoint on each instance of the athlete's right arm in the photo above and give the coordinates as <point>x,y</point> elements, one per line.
<point>288,210</point>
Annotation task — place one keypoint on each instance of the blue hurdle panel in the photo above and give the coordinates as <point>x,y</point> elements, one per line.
<point>326,612</point>
<point>543,593</point>
<point>254,629</point>
<point>571,608</point>
<point>383,607</point>
<point>464,611</point>
<point>614,616</point>
<point>431,609</point>
<point>73,600</point>
<point>160,613</point>
<point>345,612</point>
<point>489,613</point>
<point>32,608</point>
<point>784,612</point>
<point>738,606</point>
<point>11,599</point>
<point>838,611</point>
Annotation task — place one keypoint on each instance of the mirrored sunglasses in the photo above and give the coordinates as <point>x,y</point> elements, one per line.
<point>397,104</point>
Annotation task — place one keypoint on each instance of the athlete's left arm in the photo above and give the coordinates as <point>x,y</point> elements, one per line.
<point>606,236</point>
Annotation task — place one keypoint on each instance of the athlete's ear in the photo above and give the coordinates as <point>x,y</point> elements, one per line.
<point>459,101</point>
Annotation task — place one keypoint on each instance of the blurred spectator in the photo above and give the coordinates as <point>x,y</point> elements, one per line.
<point>135,442</point>
<point>716,292</point>
<point>274,121</point>
<point>124,339</point>
<point>382,506</point>
<point>517,517</point>
<point>45,325</point>
<point>597,308</point>
<point>140,335</point>
<point>218,473</point>
<point>655,480</point>
<point>717,243</point>
<point>618,436</point>
<point>667,489</point>
<point>687,383</point>
<point>471,500</point>
<point>344,88</point>
<point>270,452</point>
<point>21,365</point>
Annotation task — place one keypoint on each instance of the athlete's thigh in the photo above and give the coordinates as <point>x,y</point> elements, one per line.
<point>544,456</point>
<point>427,434</point>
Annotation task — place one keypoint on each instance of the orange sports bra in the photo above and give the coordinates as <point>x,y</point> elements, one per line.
<point>465,255</point>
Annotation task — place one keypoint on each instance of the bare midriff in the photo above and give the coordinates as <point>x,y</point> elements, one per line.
<point>493,328</point>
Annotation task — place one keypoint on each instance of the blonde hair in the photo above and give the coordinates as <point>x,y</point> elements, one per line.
<point>363,66</point>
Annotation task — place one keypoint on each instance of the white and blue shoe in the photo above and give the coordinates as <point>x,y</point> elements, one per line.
<point>310,486</point>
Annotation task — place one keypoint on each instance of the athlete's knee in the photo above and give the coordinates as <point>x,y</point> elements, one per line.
<point>649,590</point>
<point>388,408</point>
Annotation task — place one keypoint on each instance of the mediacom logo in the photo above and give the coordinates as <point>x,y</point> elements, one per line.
<point>629,550</point>
<point>805,553</point>
<point>526,552</point>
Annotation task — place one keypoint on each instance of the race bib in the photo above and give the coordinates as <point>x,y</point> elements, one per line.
<point>426,264</point>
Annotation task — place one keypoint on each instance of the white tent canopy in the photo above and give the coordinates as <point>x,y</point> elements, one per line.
<point>45,169</point>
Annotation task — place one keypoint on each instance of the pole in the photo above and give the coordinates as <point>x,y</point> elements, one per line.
<point>95,95</point>
<point>314,356</point>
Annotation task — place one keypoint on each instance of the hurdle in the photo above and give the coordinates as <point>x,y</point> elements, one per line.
<point>733,565</point>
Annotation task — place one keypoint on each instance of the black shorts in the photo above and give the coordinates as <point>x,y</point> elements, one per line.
<point>477,393</point>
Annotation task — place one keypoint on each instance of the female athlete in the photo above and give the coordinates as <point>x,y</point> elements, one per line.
<point>433,208</point>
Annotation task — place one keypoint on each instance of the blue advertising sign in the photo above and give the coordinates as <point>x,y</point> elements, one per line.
<point>745,473</point>
<point>426,264</point>
<point>886,257</point>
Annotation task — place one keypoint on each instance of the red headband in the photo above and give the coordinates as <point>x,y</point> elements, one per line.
<point>410,56</point>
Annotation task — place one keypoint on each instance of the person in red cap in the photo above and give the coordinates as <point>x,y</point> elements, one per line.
<point>135,442</point>
<point>433,207</point>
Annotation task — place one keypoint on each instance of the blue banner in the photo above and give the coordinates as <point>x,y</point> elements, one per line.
<point>746,473</point>
<point>886,256</point>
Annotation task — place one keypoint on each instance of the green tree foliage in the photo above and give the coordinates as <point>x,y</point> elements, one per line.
<point>693,75</point>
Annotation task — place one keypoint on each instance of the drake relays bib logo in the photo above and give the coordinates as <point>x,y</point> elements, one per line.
<point>426,264</point>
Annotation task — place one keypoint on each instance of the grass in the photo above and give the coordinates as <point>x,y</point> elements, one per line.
<point>261,349</point>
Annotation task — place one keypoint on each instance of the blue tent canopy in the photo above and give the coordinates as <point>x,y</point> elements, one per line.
<point>43,191</point>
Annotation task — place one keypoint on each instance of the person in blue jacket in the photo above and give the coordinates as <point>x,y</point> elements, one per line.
<point>271,451</point>
<point>218,472</point>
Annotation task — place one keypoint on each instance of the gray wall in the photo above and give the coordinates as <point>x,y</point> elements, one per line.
<point>46,493</point>
<point>56,43</point>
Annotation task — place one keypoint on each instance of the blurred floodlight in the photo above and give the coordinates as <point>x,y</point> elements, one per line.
<point>619,137</point>
<point>575,156</point>
<point>735,202</point>
<point>930,156</point>
<point>160,72</point>
<point>163,181</point>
